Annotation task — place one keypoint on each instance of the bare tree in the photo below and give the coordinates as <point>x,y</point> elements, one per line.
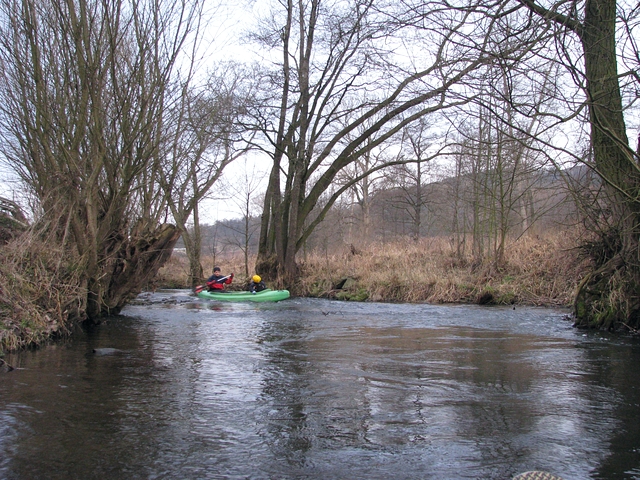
<point>331,54</point>
<point>83,93</point>
<point>362,185</point>
<point>203,137</point>
<point>410,178</point>
<point>589,48</point>
<point>246,188</point>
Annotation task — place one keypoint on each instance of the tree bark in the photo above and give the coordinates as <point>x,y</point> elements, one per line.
<point>608,296</point>
<point>132,267</point>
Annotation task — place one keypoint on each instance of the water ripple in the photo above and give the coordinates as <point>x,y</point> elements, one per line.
<point>318,389</point>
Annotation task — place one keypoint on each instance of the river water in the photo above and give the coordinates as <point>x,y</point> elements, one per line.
<point>314,389</point>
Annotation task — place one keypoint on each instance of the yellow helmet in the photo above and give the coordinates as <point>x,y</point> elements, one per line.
<point>256,278</point>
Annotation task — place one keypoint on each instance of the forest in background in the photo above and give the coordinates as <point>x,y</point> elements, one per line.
<point>384,251</point>
<point>465,211</point>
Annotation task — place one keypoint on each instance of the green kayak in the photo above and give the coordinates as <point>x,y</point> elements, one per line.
<point>267,295</point>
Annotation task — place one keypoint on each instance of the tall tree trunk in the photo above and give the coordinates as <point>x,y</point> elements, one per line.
<point>417,206</point>
<point>136,263</point>
<point>609,295</point>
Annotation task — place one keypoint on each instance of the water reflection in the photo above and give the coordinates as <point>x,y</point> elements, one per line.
<point>440,396</point>
<point>315,389</point>
<point>284,389</point>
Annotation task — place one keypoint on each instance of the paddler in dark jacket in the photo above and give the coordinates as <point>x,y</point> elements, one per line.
<point>216,282</point>
<point>256,284</point>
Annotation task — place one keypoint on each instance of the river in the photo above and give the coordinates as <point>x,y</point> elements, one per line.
<point>177,387</point>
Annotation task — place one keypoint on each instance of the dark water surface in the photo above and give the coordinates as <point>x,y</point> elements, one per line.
<point>323,390</point>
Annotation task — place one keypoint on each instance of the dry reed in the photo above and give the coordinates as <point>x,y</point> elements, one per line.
<point>40,294</point>
<point>537,270</point>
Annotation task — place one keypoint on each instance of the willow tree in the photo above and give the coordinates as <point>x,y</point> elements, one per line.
<point>608,295</point>
<point>381,65</point>
<point>83,93</point>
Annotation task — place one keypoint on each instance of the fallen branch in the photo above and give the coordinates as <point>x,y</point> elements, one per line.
<point>630,328</point>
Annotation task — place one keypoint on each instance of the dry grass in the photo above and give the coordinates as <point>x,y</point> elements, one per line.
<point>537,271</point>
<point>40,296</point>
<point>173,274</point>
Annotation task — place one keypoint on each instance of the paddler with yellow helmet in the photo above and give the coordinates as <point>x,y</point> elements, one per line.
<point>256,284</point>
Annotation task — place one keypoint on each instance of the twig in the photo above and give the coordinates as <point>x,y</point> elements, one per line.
<point>630,329</point>
<point>7,366</point>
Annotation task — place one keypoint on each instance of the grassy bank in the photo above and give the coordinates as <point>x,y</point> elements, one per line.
<point>535,271</point>
<point>40,296</point>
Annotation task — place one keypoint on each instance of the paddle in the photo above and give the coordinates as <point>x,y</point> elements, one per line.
<point>200,288</point>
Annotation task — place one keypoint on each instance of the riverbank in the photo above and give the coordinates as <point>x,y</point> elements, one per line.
<point>40,296</point>
<point>40,293</point>
<point>543,272</point>
<point>535,271</point>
